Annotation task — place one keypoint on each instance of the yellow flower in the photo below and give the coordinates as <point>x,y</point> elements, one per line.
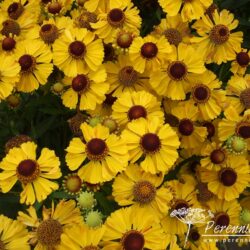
<point>184,197</point>
<point>174,29</point>
<point>228,182</point>
<point>174,78</point>
<point>207,95</point>
<point>142,190</point>
<point>122,77</point>
<point>189,9</point>
<point>134,105</point>
<point>238,91</point>
<point>215,156</point>
<point>149,53</point>
<point>13,234</point>
<point>100,157</point>
<point>46,232</point>
<point>217,42</point>
<point>234,124</point>
<point>225,214</point>
<point>85,90</point>
<point>9,75</point>
<point>191,135</point>
<point>20,164</point>
<point>81,237</point>
<point>241,62</point>
<point>155,142</point>
<point>34,58</point>
<point>50,30</point>
<point>96,5</point>
<point>55,8</point>
<point>119,14</point>
<point>77,52</point>
<point>126,229</point>
<point>17,9</point>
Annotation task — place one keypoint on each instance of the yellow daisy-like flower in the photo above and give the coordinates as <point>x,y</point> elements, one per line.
<point>240,62</point>
<point>34,58</point>
<point>226,213</point>
<point>85,90</point>
<point>50,29</point>
<point>217,42</point>
<point>173,78</point>
<point>126,230</point>
<point>228,182</point>
<point>149,53</point>
<point>156,142</point>
<point>234,124</point>
<point>142,190</point>
<point>238,91</point>
<point>207,95</point>
<point>9,75</point>
<point>77,52</point>
<point>80,237</point>
<point>21,164</point>
<point>16,9</point>
<point>190,10</point>
<point>100,157</point>
<point>191,135</point>
<point>46,232</point>
<point>13,234</point>
<point>184,198</point>
<point>215,156</point>
<point>174,29</point>
<point>53,8</point>
<point>132,106</point>
<point>119,14</point>
<point>122,77</point>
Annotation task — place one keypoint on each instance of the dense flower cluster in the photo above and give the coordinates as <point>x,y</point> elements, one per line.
<point>153,126</point>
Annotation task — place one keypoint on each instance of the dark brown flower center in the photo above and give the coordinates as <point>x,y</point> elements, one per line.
<point>124,39</point>
<point>219,34</point>
<point>54,8</point>
<point>243,130</point>
<point>177,70</point>
<point>210,129</point>
<point>144,192</point>
<point>16,141</point>
<point>49,233</point>
<point>173,36</point>
<point>46,1</point>
<point>128,76</point>
<point>194,235</point>
<point>27,171</point>
<point>77,49</point>
<point>201,93</point>
<point>243,59</point>
<point>15,10</point>
<point>133,240</point>
<point>217,156</point>
<point>90,248</point>
<point>116,17</point>
<point>203,194</point>
<point>150,143</point>
<point>149,50</point>
<point>8,44</point>
<point>49,33</point>
<point>245,98</point>
<point>179,205</point>
<point>109,53</point>
<point>80,83</point>
<point>96,149</point>
<point>85,18</point>
<point>186,127</point>
<point>222,219</point>
<point>10,27</point>
<point>27,63</point>
<point>137,112</point>
<point>227,176</point>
